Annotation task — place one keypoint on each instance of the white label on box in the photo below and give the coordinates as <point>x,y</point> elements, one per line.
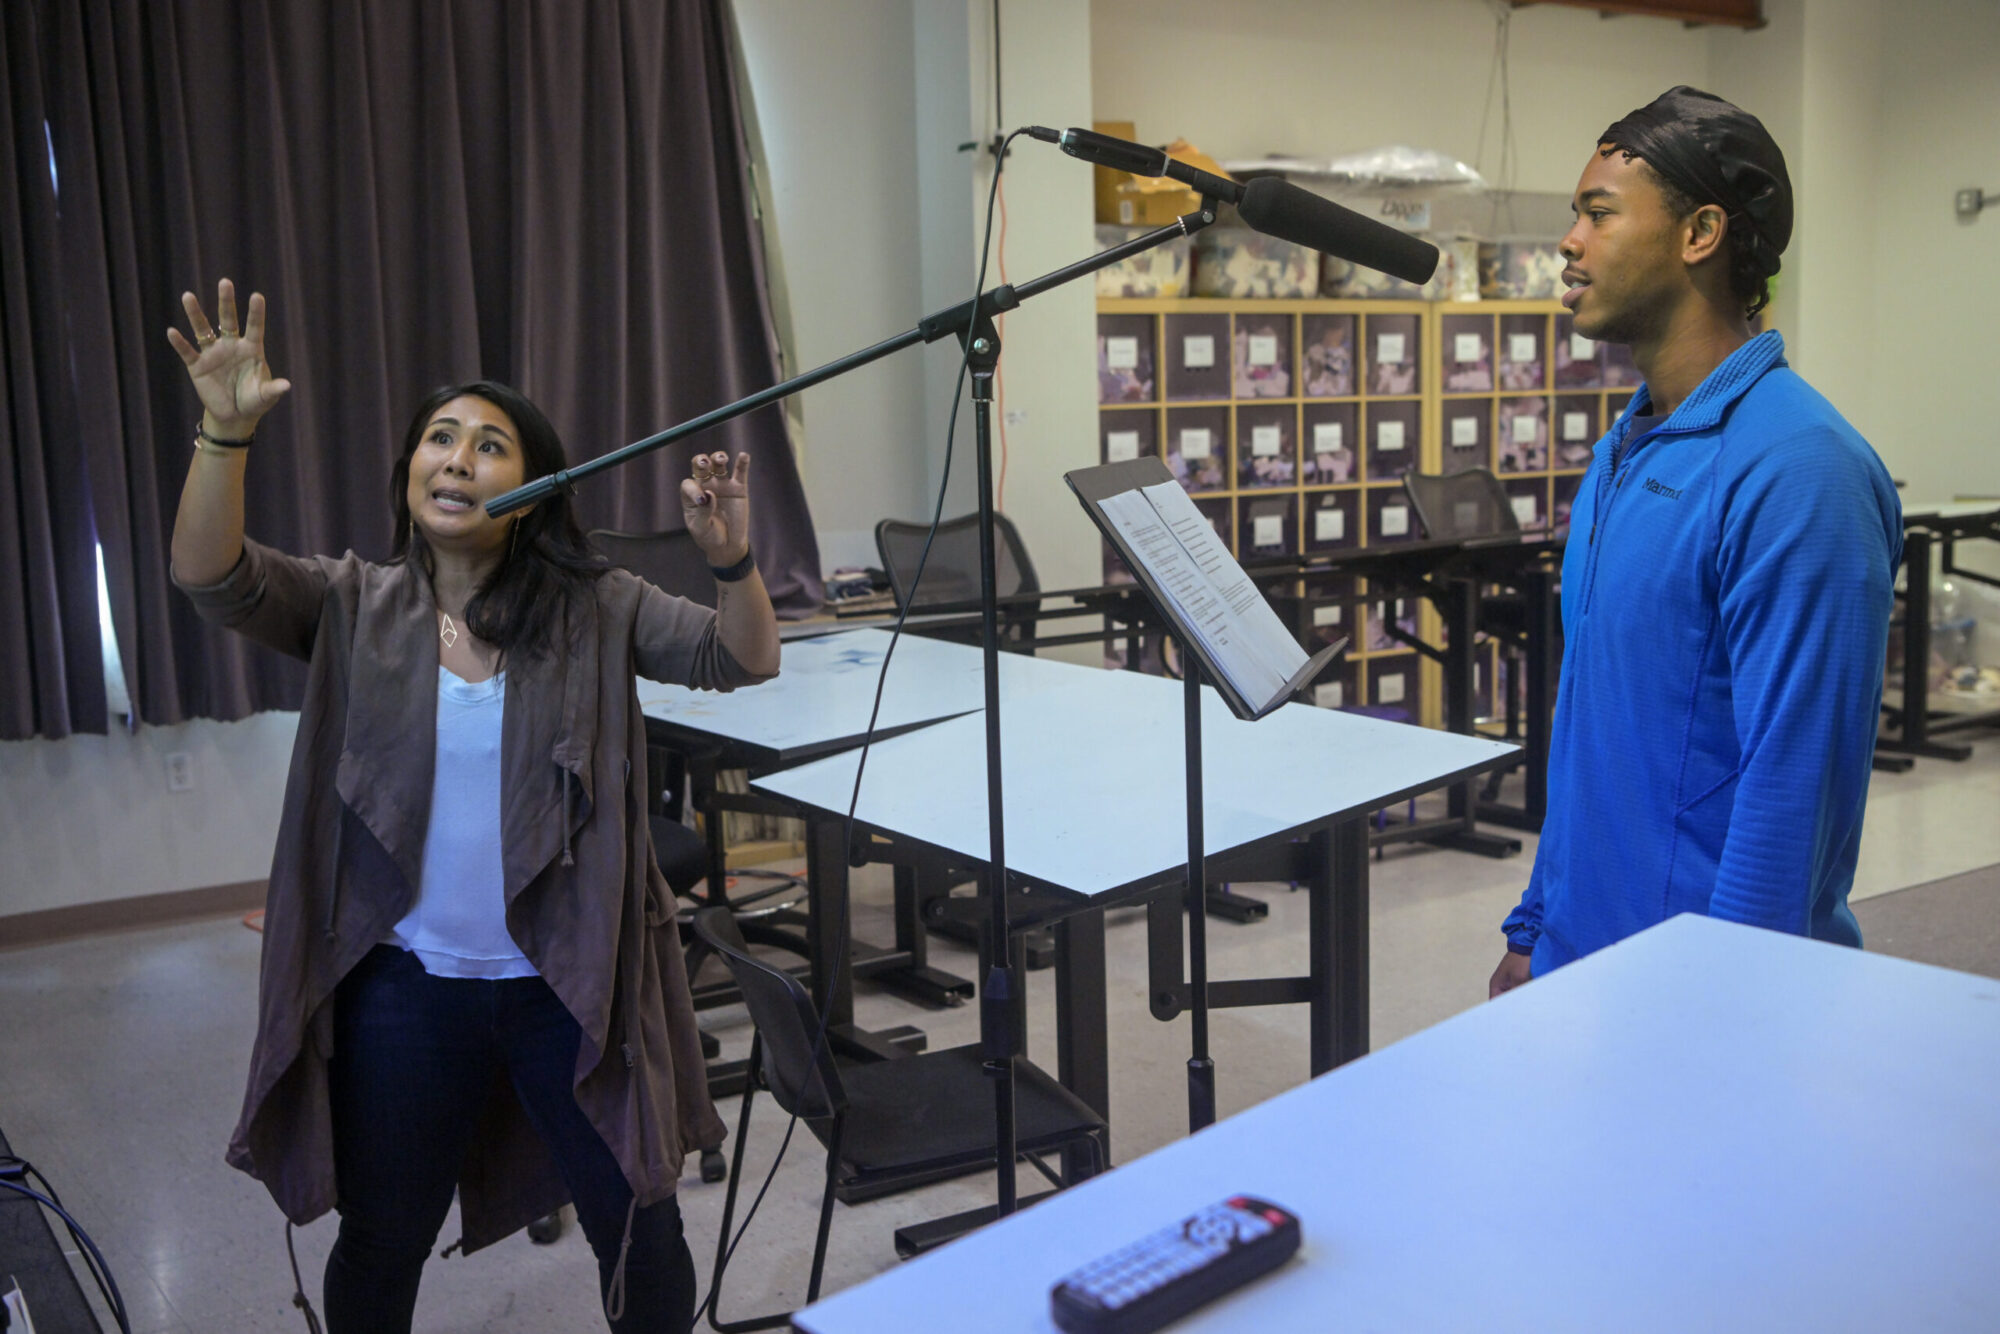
<point>1195,442</point>
<point>1264,441</point>
<point>1581,348</point>
<point>1388,436</point>
<point>1390,349</point>
<point>1524,429</point>
<point>1524,510</point>
<point>1464,432</point>
<point>1395,520</point>
<point>1390,688</point>
<point>1326,437</point>
<point>1576,426</point>
<point>1121,354</point>
<point>1520,347</point>
<point>1267,530</point>
<point>1198,351</point>
<point>1465,347</point>
<point>1328,696</point>
<point>1121,446</point>
<point>1263,349</point>
<point>1328,615</point>
<point>1329,525</point>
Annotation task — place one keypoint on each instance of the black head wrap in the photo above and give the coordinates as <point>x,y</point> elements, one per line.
<point>1715,153</point>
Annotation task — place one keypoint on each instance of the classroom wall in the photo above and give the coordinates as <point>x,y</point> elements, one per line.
<point>1931,287</point>
<point>1320,78</point>
<point>89,819</point>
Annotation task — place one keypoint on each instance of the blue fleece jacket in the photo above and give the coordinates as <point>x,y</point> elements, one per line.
<point>1726,594</point>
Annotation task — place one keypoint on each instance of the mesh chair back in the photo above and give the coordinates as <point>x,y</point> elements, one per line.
<point>785,1019</point>
<point>669,561</point>
<point>1461,504</point>
<point>952,572</point>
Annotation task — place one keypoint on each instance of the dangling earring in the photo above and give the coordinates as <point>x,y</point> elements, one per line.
<point>513,540</point>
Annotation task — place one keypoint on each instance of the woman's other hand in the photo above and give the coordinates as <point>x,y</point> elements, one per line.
<point>715,502</point>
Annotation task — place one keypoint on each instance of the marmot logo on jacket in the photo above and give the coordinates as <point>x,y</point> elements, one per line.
<point>1670,492</point>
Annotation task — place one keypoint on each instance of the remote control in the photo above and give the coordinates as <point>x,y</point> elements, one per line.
<point>1158,1279</point>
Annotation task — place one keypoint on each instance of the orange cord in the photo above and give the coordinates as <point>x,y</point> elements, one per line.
<point>255,921</point>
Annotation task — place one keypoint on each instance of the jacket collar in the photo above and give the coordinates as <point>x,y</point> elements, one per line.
<point>389,753</point>
<point>1712,398</point>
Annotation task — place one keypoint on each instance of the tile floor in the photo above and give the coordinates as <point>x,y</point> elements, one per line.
<point>122,1058</point>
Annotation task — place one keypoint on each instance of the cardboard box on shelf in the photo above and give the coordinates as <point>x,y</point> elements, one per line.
<point>1125,200</point>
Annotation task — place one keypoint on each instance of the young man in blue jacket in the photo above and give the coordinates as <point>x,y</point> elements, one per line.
<point>1726,587</point>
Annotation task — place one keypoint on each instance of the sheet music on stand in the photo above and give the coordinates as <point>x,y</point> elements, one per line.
<point>1254,660</point>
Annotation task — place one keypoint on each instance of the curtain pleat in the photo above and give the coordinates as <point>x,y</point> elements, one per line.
<point>545,192</point>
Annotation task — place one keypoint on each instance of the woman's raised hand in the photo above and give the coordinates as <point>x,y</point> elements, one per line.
<point>715,501</point>
<point>226,363</point>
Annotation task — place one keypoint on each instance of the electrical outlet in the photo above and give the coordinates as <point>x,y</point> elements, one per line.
<point>180,771</point>
<point>1968,203</point>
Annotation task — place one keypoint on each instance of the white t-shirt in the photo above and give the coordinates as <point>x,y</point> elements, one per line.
<point>458,927</point>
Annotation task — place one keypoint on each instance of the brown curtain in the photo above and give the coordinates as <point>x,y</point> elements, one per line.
<point>51,673</point>
<point>552,193</point>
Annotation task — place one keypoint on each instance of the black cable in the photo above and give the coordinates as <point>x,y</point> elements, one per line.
<point>99,1270</point>
<point>22,1167</point>
<point>845,925</point>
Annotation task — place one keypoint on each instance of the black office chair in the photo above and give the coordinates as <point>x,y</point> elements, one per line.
<point>1473,504</point>
<point>929,1112</point>
<point>1465,504</point>
<point>951,575</point>
<point>672,562</point>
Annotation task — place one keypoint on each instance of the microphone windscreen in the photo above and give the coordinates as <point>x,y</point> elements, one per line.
<point>1281,209</point>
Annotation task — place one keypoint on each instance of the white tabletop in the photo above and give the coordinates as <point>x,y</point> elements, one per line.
<point>1093,772</point>
<point>1949,509</point>
<point>1706,1127</point>
<point>821,697</point>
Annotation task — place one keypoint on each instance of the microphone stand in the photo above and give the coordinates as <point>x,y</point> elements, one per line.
<point>998,1041</point>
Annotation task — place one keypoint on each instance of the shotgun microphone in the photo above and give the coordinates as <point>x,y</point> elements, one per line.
<point>1267,204</point>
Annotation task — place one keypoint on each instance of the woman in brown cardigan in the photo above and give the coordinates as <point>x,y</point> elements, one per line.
<point>470,979</point>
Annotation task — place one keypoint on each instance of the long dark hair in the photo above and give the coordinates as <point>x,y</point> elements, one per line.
<point>549,564</point>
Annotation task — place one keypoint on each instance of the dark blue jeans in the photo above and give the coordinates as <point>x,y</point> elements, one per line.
<point>414,1058</point>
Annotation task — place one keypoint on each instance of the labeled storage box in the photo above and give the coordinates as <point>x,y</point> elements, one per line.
<point>1127,434</point>
<point>1392,446</point>
<point>1327,360</point>
<point>1267,451</point>
<point>1125,359</point>
<point>1267,526</point>
<point>1261,355</point>
<point>1197,357</point>
<point>1197,447</point>
<point>1329,444</point>
<point>1333,520</point>
<point>1523,444</point>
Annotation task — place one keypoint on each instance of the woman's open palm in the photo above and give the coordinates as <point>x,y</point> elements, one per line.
<point>226,361</point>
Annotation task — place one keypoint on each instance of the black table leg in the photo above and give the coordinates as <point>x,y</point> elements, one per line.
<point>1083,1049</point>
<point>1337,934</point>
<point>827,930</point>
<point>1915,738</point>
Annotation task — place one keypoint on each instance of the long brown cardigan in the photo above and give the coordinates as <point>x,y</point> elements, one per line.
<point>585,899</point>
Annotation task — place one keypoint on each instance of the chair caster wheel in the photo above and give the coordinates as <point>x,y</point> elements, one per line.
<point>544,1230</point>
<point>714,1167</point>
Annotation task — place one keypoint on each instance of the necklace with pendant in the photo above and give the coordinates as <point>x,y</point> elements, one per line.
<point>447,631</point>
